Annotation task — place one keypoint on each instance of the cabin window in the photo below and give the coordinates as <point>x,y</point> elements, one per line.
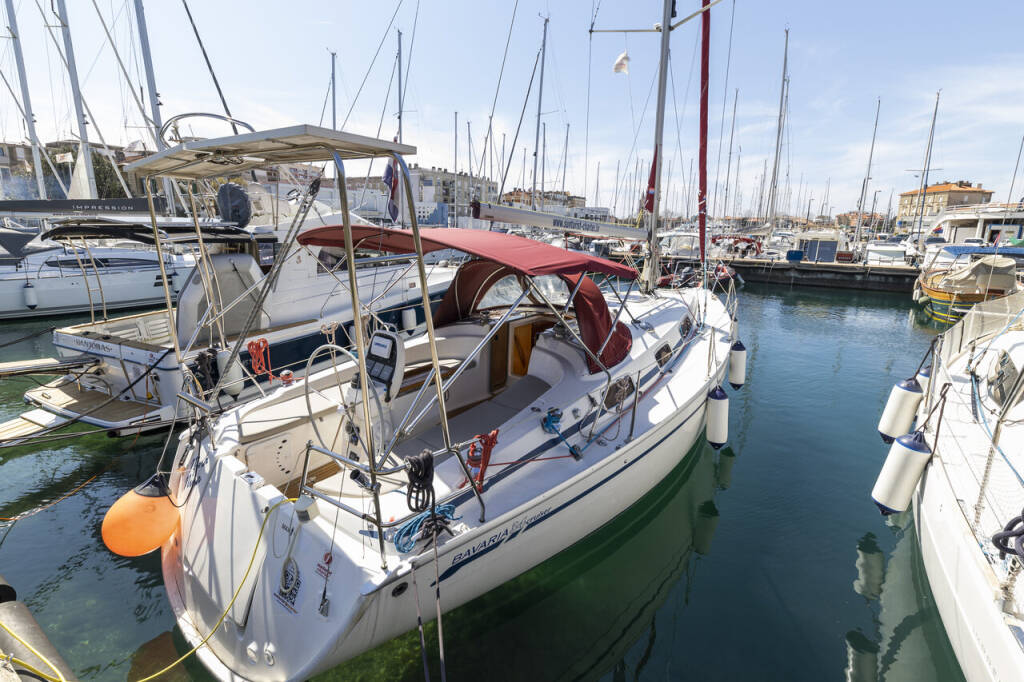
<point>686,327</point>
<point>554,289</point>
<point>618,392</point>
<point>663,354</point>
<point>504,292</point>
<point>1002,377</point>
<point>327,260</point>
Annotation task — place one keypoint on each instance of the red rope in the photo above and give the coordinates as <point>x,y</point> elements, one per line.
<point>259,357</point>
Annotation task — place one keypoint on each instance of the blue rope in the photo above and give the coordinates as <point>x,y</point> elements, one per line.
<point>550,424</point>
<point>405,537</point>
<point>976,397</point>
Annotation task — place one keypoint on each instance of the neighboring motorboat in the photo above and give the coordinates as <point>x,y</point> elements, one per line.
<point>70,278</point>
<point>961,469</point>
<point>947,293</point>
<point>124,374</point>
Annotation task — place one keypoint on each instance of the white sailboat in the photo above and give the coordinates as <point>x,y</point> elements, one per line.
<point>961,470</point>
<point>309,525</point>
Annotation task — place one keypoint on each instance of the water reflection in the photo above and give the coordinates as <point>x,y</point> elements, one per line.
<point>907,640</point>
<point>577,615</point>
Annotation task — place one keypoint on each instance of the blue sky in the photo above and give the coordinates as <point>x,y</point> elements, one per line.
<point>273,63</point>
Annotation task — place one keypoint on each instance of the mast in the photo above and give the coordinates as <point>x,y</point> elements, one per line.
<point>76,95</point>
<point>867,176</point>
<point>773,185</point>
<point>30,120</point>
<point>702,163</point>
<point>540,100</point>
<point>455,194</point>
<point>924,175</point>
<point>728,164</point>
<point>154,97</point>
<point>565,161</point>
<point>334,92</point>
<point>543,160</point>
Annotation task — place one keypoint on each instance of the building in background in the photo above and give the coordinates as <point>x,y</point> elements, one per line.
<point>434,193</point>
<point>938,198</point>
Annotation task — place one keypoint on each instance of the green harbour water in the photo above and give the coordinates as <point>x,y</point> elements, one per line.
<point>765,560</point>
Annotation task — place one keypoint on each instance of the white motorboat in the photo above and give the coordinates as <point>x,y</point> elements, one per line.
<point>74,279</point>
<point>574,419</point>
<point>962,471</point>
<point>124,374</point>
<point>884,252</point>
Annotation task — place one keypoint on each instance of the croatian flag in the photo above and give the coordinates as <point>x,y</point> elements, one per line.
<point>391,180</point>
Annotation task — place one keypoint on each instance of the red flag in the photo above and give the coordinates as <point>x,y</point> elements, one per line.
<point>649,198</point>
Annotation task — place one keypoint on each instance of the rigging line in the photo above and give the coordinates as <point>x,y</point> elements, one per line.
<point>519,127</point>
<point>725,96</point>
<point>412,44</point>
<point>501,73</point>
<point>372,62</point>
<point>643,115</point>
<point>323,109</point>
<point>380,123</point>
<point>209,67</point>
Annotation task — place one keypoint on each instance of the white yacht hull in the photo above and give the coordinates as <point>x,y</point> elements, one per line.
<point>966,590</point>
<point>73,293</point>
<point>498,551</point>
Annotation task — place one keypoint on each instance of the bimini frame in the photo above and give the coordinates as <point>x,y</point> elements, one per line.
<point>202,159</point>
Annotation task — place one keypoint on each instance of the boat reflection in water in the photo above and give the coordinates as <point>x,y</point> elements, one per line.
<point>579,614</point>
<point>907,640</point>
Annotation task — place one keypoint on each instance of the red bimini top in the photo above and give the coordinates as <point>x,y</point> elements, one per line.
<point>505,255</point>
<point>523,255</point>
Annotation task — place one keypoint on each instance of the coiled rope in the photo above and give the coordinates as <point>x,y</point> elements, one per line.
<point>1014,530</point>
<point>428,524</point>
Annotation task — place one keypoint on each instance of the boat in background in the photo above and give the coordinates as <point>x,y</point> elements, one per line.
<point>947,293</point>
<point>124,374</point>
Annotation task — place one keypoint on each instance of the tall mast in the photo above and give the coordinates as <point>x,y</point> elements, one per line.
<point>773,185</point>
<point>702,163</point>
<point>924,175</point>
<point>565,160</point>
<point>30,120</point>
<point>543,160</point>
<point>399,86</point>
<point>455,195</point>
<point>334,92</point>
<point>76,95</point>
<point>540,100</point>
<point>154,97</point>
<point>867,176</point>
<point>728,164</point>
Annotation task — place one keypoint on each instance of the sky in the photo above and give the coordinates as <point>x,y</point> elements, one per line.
<point>273,63</point>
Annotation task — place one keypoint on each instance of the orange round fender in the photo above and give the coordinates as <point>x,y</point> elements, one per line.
<point>141,520</point>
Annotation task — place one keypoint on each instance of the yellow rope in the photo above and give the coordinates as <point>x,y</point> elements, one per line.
<point>44,659</point>
<point>227,609</point>
<point>35,671</point>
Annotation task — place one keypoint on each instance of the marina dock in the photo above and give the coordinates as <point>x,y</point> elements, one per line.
<point>896,278</point>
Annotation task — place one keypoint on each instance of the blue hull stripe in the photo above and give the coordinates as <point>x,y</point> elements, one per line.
<point>451,570</point>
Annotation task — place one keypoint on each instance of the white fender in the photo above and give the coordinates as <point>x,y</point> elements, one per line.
<point>718,418</point>
<point>409,319</point>
<point>903,468</point>
<point>31,298</point>
<point>924,378</point>
<point>231,377</point>
<point>737,365</point>
<point>900,409</point>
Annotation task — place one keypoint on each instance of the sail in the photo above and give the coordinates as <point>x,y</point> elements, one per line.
<point>79,187</point>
